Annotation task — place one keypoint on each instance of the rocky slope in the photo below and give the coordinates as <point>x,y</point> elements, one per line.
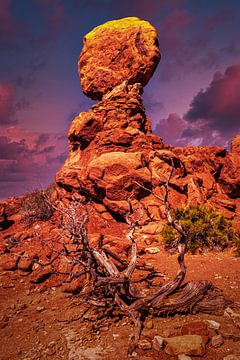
<point>114,157</point>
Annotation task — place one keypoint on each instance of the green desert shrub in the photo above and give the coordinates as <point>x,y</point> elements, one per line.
<point>205,227</point>
<point>37,206</point>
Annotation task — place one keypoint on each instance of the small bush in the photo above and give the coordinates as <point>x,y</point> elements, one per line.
<point>37,206</point>
<point>205,227</point>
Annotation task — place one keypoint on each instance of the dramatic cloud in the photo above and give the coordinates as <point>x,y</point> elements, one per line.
<point>213,116</point>
<point>218,107</point>
<point>28,160</point>
<point>171,129</point>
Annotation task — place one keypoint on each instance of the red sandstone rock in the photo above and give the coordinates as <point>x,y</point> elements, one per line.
<point>41,274</point>
<point>8,262</point>
<point>117,51</point>
<point>230,175</point>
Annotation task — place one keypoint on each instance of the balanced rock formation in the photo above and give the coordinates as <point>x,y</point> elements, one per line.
<point>114,158</point>
<point>117,51</point>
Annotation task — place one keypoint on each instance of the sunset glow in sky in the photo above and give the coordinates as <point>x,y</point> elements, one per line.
<point>193,97</point>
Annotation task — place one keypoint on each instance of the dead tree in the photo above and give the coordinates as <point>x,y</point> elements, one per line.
<point>108,286</point>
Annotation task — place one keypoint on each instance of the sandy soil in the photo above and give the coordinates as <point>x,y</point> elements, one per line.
<point>41,322</point>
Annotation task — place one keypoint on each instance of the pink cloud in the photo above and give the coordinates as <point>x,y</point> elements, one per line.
<point>219,105</point>
<point>213,116</point>
<point>170,129</point>
<point>28,159</point>
<point>7,92</point>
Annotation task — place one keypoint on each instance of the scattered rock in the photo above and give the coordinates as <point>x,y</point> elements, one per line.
<point>185,344</point>
<point>75,286</point>
<point>183,357</point>
<point>213,324</point>
<point>152,250</point>
<point>158,342</point>
<point>229,331</point>
<point>134,354</point>
<point>149,324</point>
<point>217,341</point>
<point>41,274</point>
<point>25,264</point>
<point>3,321</point>
<point>8,262</point>
<point>195,328</point>
<point>144,344</point>
<point>40,308</point>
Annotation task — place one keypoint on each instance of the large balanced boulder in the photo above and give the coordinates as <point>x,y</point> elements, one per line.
<point>117,51</point>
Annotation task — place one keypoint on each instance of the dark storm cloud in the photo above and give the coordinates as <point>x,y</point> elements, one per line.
<point>213,116</point>
<point>42,139</point>
<point>24,165</point>
<point>219,105</point>
<point>9,106</point>
<point>171,129</point>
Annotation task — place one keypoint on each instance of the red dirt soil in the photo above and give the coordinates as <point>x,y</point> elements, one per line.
<point>38,322</point>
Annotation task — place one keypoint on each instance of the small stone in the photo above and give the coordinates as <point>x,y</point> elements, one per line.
<point>8,261</point>
<point>213,324</point>
<point>51,351</point>
<point>90,317</point>
<point>195,328</point>
<point>144,344</point>
<point>149,324</point>
<point>184,357</point>
<point>152,250</point>
<point>41,274</point>
<point>158,342</point>
<point>231,357</point>
<point>3,321</point>
<point>217,341</point>
<point>104,328</point>
<point>185,344</point>
<point>52,343</point>
<point>40,308</point>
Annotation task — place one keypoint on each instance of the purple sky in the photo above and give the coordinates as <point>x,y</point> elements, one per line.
<point>193,97</point>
